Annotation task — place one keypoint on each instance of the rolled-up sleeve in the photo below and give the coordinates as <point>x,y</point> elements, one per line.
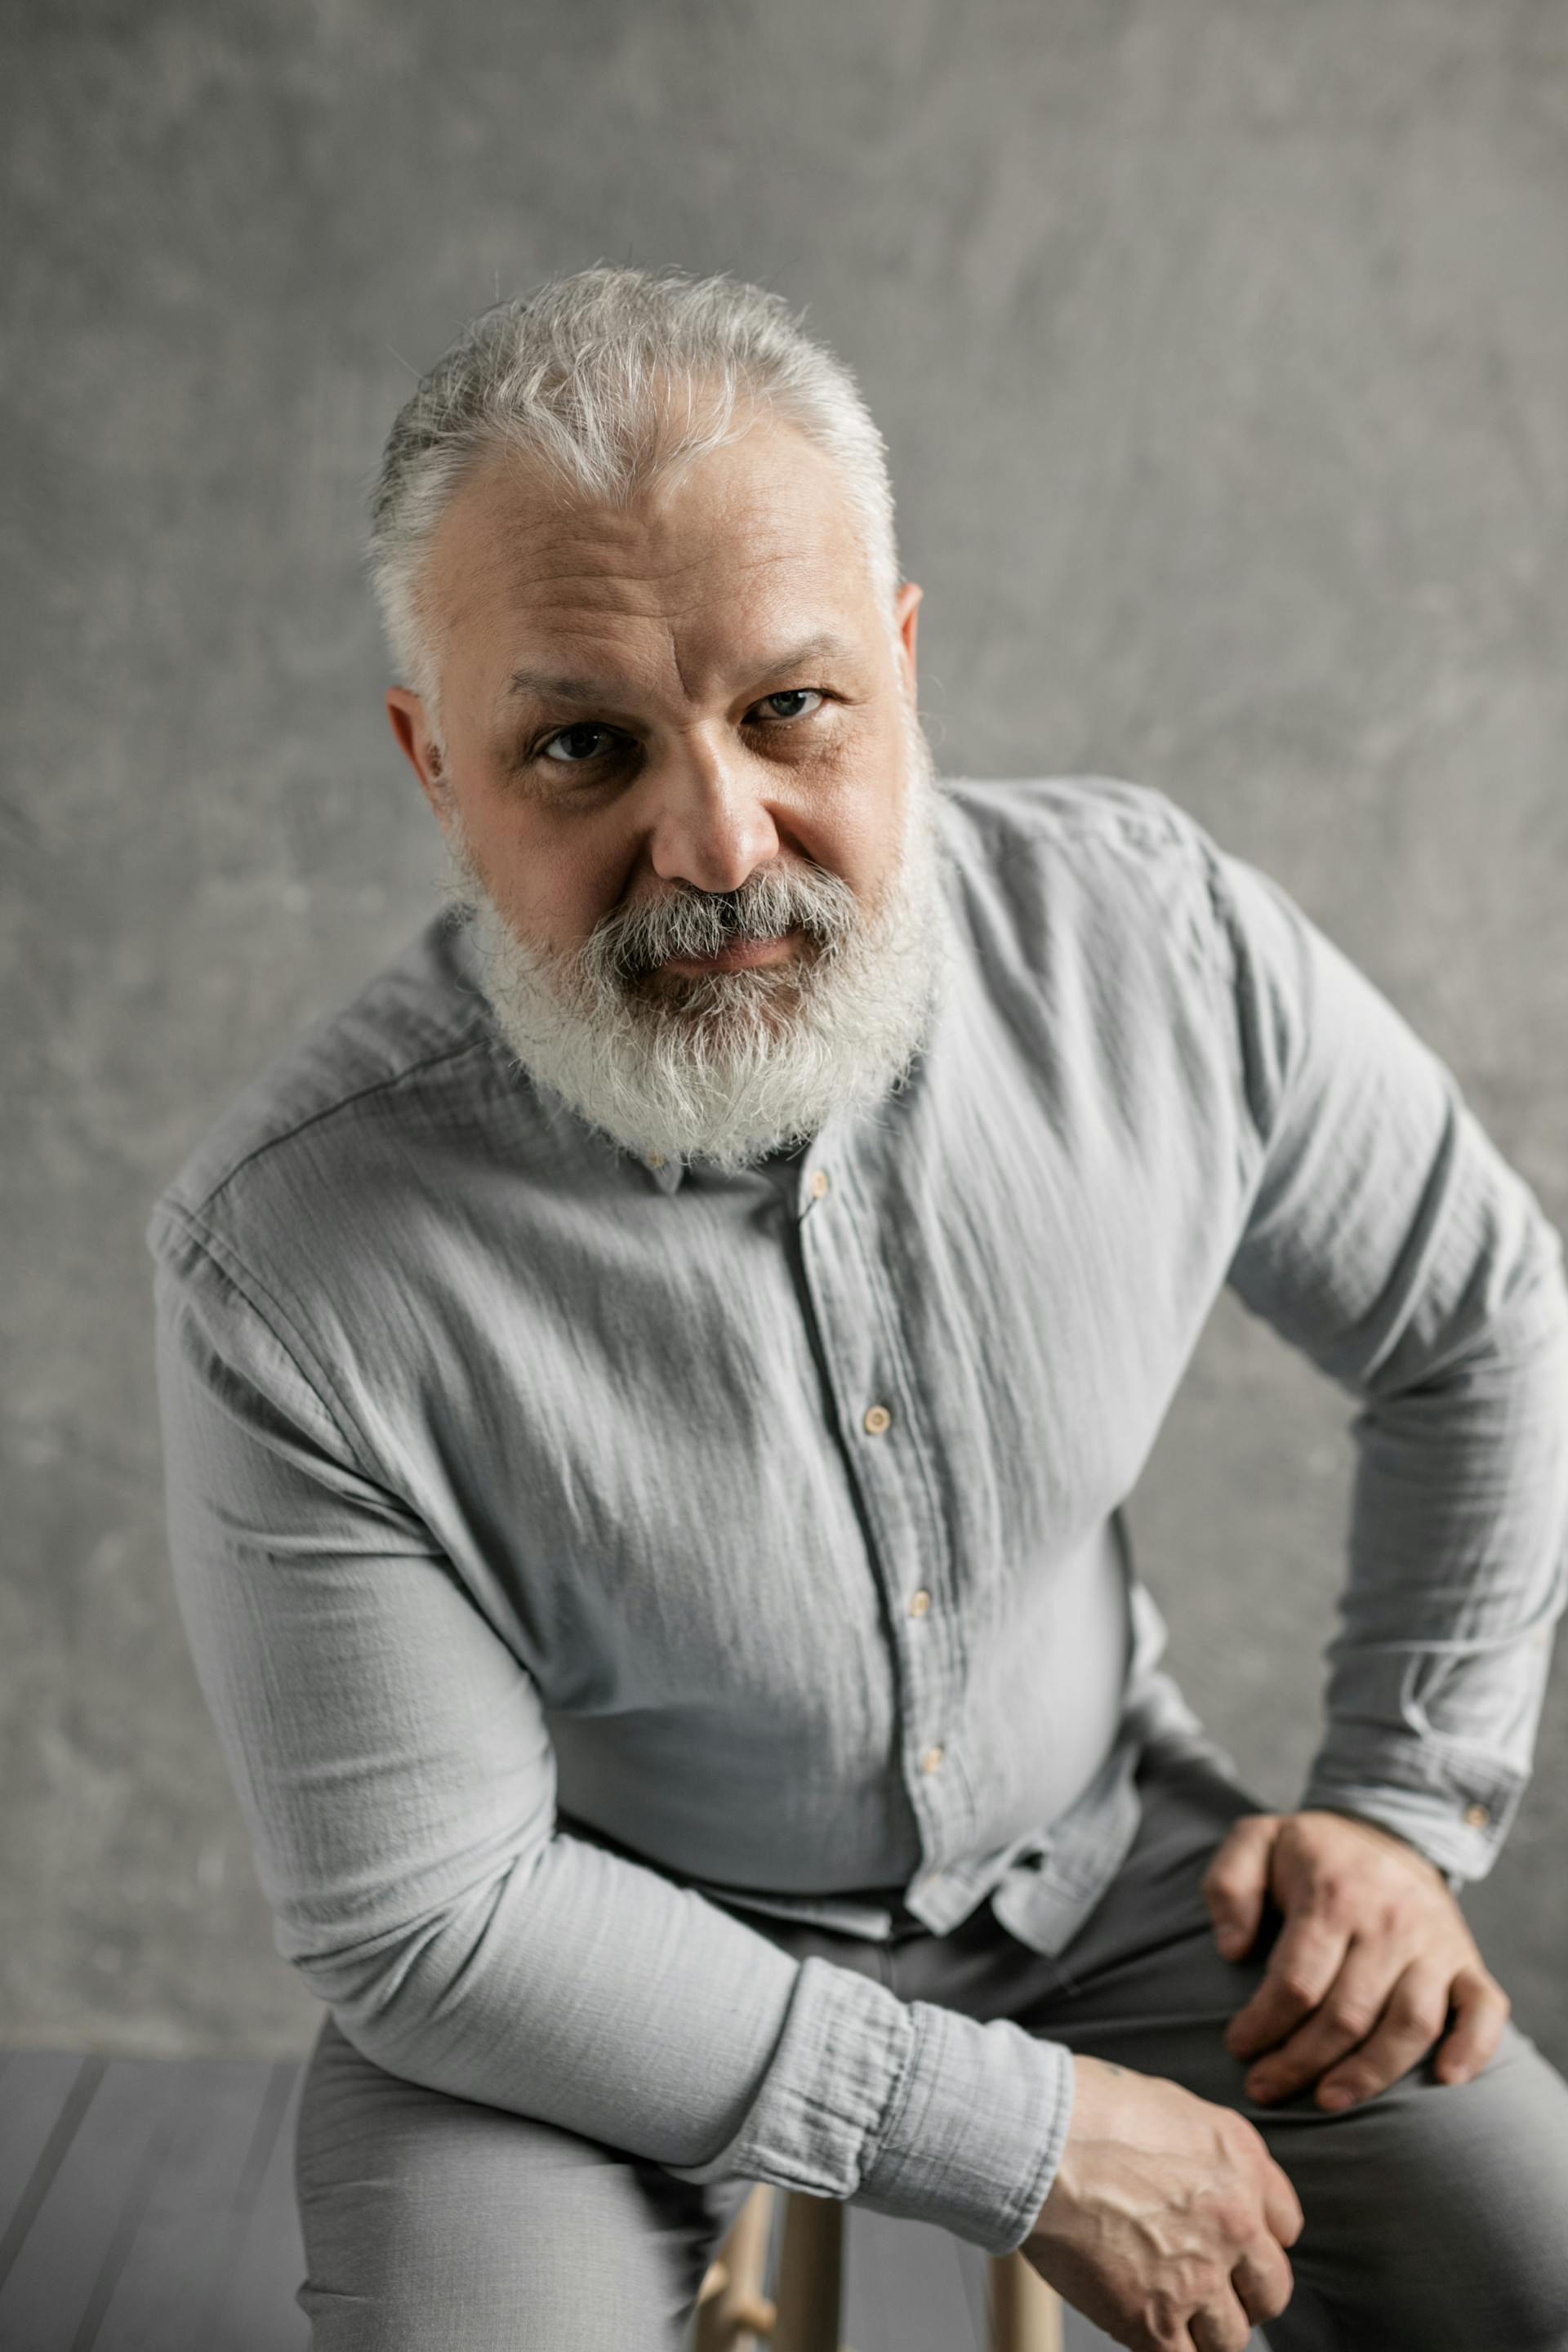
<point>1387,1238</point>
<point>391,1759</point>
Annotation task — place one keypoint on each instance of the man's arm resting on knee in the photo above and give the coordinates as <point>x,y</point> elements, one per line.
<point>1388,1240</point>
<point>392,1760</point>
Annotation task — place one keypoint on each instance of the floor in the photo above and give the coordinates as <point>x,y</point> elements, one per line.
<point>147,2205</point>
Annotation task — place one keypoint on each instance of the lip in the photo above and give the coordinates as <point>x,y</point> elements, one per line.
<point>743,954</point>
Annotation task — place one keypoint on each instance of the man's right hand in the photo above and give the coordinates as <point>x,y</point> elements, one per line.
<point>1167,2219</point>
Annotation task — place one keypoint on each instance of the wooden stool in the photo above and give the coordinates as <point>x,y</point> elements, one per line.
<point>733,2315</point>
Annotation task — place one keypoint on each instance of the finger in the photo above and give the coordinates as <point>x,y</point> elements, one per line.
<point>1264,2281</point>
<point>1222,2325</point>
<point>1483,2009</point>
<point>1237,1880</point>
<point>1416,2009</point>
<point>1306,1958</point>
<point>1281,2206</point>
<point>1347,2013</point>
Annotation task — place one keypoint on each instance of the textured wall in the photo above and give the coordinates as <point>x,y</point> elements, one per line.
<point>1222,351</point>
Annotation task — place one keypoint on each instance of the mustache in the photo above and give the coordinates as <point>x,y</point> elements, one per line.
<point>635,940</point>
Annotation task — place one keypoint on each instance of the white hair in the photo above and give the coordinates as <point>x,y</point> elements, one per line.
<point>610,379</point>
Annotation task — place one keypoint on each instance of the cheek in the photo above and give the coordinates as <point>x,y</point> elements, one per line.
<point>557,887</point>
<point>860,834</point>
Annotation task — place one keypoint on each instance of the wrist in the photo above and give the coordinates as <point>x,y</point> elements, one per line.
<point>1449,1878</point>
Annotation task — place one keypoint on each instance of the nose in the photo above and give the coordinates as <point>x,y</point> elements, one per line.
<point>709,823</point>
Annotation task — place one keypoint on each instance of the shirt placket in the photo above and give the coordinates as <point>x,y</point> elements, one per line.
<point>887,1443</point>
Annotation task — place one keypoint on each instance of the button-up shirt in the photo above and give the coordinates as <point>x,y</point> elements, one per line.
<point>582,1553</point>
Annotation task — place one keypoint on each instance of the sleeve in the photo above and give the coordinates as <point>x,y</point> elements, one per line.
<point>1386,1238</point>
<point>391,1759</point>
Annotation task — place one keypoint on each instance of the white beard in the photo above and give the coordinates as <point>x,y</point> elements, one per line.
<point>729,1066</point>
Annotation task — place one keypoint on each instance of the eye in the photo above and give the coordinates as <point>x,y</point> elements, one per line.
<point>567,735</point>
<point>790,694</point>
<point>584,743</point>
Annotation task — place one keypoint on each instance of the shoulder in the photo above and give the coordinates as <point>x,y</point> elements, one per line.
<point>306,1117</point>
<point>1107,811</point>
<point>1084,856</point>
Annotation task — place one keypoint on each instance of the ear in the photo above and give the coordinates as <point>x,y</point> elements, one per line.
<point>416,742</point>
<point>906,614</point>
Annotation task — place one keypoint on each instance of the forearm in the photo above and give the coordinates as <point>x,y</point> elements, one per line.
<point>1458,1573</point>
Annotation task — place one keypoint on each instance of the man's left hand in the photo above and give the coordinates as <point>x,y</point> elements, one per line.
<point>1373,1955</point>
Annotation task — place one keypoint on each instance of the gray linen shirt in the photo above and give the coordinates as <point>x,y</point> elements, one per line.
<point>577,1553</point>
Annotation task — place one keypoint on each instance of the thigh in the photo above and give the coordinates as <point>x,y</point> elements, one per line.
<point>1435,2213</point>
<point>429,2219</point>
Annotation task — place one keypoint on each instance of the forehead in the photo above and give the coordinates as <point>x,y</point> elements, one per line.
<point>755,539</point>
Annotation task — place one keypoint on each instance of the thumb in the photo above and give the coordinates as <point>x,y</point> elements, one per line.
<point>1237,1880</point>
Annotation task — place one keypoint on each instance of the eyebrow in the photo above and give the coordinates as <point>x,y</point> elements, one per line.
<point>538,686</point>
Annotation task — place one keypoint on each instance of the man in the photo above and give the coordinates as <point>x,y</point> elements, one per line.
<point>649,1391</point>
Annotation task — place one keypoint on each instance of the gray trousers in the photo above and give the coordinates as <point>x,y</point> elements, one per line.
<point>1436,2214</point>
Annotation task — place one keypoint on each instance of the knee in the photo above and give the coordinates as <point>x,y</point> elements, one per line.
<point>1509,2215</point>
<point>1517,2259</point>
<point>1443,2224</point>
<point>429,2219</point>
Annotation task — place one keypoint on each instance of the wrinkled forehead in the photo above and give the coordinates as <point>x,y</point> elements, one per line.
<point>758,535</point>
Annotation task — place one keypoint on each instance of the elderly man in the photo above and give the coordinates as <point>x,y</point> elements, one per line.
<point>649,1392</point>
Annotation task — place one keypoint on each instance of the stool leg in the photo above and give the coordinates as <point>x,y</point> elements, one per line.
<point>733,2315</point>
<point>811,2275</point>
<point>1025,2313</point>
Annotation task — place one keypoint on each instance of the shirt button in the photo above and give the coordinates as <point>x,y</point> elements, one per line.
<point>930,1759</point>
<point>818,1181</point>
<point>877,1419</point>
<point>919,1602</point>
<point>1478,1816</point>
<point>655,1160</point>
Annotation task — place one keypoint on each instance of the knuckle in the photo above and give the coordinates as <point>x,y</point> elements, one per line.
<point>1479,1983</point>
<point>1235,2218</point>
<point>1295,1985</point>
<point>1163,2322</point>
<point>1242,2142</point>
<point>1415,2013</point>
<point>1352,2015</point>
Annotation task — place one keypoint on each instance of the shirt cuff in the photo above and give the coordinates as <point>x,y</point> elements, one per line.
<point>1461,1831</point>
<point>976,2137</point>
<point>907,2108</point>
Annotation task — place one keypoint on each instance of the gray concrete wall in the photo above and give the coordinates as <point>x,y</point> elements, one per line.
<point>1223,351</point>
